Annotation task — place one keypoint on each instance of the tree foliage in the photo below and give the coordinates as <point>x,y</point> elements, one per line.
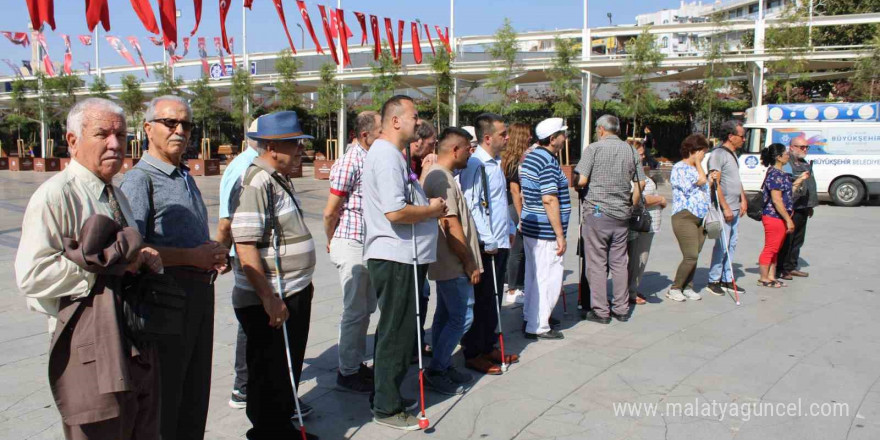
<point>565,80</point>
<point>866,81</point>
<point>790,40</point>
<point>99,88</point>
<point>168,84</point>
<point>204,104</point>
<point>844,35</point>
<point>240,94</point>
<point>642,58</point>
<point>386,77</point>
<point>441,65</point>
<point>716,71</point>
<point>504,51</point>
<point>287,67</point>
<point>329,99</point>
<point>132,99</point>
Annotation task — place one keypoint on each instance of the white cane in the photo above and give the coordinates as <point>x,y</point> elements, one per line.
<point>727,251</point>
<point>423,419</point>
<point>487,208</point>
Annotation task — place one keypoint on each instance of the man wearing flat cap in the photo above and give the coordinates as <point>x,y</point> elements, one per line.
<point>263,206</point>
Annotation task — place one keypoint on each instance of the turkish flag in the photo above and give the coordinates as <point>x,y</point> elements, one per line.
<point>85,39</point>
<point>362,19</point>
<point>444,38</point>
<point>168,17</point>
<point>137,48</point>
<point>155,41</point>
<point>119,46</point>
<point>220,55</point>
<point>340,23</point>
<point>334,24</point>
<point>428,36</point>
<point>47,63</point>
<point>416,47</point>
<point>232,53</point>
<point>41,11</point>
<point>280,8</point>
<point>97,11</point>
<point>68,58</point>
<point>400,25</point>
<point>327,34</point>
<point>308,21</point>
<point>197,5</point>
<point>17,38</point>
<point>145,12</point>
<point>224,9</point>
<point>390,33</point>
<point>185,46</point>
<point>203,54</point>
<point>374,25</point>
<point>249,4</point>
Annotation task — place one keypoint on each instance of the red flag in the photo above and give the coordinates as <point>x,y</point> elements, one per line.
<point>197,5</point>
<point>85,40</point>
<point>137,48</point>
<point>400,25</point>
<point>203,54</point>
<point>155,41</point>
<point>248,4</point>
<point>41,11</point>
<point>17,38</point>
<point>47,62</point>
<point>390,33</point>
<point>428,36</point>
<point>119,46</point>
<point>362,19</point>
<point>377,48</point>
<point>97,11</point>
<point>416,47</point>
<point>145,12</point>
<point>308,21</point>
<point>444,38</point>
<point>346,60</point>
<point>68,58</point>
<point>232,53</point>
<point>220,55</point>
<point>224,9</point>
<point>334,24</point>
<point>280,8</point>
<point>168,16</point>
<point>185,46</point>
<point>330,42</point>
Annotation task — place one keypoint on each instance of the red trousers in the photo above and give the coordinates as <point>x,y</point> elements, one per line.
<point>774,235</point>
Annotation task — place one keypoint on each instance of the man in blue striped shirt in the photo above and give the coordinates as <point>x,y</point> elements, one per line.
<point>546,209</point>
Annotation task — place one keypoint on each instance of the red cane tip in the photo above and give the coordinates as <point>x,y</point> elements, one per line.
<point>423,423</point>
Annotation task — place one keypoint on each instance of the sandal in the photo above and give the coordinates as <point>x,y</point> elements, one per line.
<point>771,284</point>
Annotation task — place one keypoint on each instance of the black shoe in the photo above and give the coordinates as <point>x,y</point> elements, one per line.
<point>551,334</point>
<point>621,318</point>
<point>366,372</point>
<point>729,286</point>
<point>592,316</point>
<point>716,288</point>
<point>524,327</point>
<point>355,383</point>
<point>306,410</point>
<point>409,404</point>
<point>553,322</point>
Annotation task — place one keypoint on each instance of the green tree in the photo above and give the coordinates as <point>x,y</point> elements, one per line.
<point>843,35</point>
<point>866,80</point>
<point>98,89</point>
<point>565,80</point>
<point>240,93</point>
<point>20,106</point>
<point>716,70</point>
<point>204,104</point>
<point>637,96</point>
<point>789,39</point>
<point>287,67</point>
<point>132,99</point>
<point>329,100</point>
<point>386,77</point>
<point>168,84</point>
<point>64,87</point>
<point>504,51</point>
<point>441,65</point>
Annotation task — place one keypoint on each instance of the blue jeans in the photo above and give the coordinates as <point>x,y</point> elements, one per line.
<point>720,270</point>
<point>452,319</point>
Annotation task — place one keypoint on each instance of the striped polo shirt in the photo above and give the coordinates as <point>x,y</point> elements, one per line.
<point>252,222</point>
<point>540,175</point>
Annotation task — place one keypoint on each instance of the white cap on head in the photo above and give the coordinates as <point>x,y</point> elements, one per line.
<point>470,129</point>
<point>547,127</point>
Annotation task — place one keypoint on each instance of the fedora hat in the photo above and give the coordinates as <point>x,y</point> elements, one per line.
<point>279,126</point>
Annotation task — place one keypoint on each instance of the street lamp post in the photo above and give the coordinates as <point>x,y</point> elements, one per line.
<point>302,36</point>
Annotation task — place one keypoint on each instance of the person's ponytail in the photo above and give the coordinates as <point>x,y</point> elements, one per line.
<point>769,154</point>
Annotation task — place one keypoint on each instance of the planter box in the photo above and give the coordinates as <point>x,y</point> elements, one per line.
<point>204,167</point>
<point>127,164</point>
<point>64,163</point>
<point>567,170</point>
<point>49,164</point>
<point>19,164</point>
<point>322,169</point>
<point>4,163</point>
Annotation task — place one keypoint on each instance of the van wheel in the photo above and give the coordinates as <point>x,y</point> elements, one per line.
<point>847,191</point>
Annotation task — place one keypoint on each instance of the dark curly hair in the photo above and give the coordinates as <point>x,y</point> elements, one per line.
<point>771,153</point>
<point>692,144</point>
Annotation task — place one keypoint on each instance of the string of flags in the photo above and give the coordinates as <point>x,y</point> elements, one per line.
<point>333,23</point>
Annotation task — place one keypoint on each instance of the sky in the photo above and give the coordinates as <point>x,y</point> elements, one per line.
<point>265,33</point>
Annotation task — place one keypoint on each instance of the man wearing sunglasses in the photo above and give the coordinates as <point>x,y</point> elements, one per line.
<point>804,201</point>
<point>171,216</point>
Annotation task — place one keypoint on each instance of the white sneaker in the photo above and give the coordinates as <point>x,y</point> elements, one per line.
<point>692,295</point>
<point>520,297</point>
<point>675,295</point>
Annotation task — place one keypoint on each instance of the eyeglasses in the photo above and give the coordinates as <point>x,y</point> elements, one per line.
<point>801,147</point>
<point>173,123</point>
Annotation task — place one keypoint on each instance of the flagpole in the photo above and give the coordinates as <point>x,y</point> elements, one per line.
<point>453,99</point>
<point>340,119</point>
<point>247,64</point>
<point>97,53</point>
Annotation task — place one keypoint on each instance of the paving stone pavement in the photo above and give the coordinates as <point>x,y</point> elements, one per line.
<point>808,348</point>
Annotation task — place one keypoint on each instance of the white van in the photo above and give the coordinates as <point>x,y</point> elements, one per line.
<point>844,141</point>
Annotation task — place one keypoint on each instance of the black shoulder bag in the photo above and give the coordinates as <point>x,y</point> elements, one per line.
<point>152,303</point>
<point>640,220</point>
<point>755,202</point>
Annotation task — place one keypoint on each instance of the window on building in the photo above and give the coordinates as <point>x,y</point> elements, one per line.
<point>665,21</point>
<point>682,39</point>
<point>753,9</point>
<point>664,43</point>
<point>774,4</point>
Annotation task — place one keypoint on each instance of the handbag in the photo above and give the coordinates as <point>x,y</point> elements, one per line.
<point>755,202</point>
<point>712,220</point>
<point>640,220</point>
<point>152,303</point>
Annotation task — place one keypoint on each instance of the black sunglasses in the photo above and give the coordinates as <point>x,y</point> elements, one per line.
<point>173,123</point>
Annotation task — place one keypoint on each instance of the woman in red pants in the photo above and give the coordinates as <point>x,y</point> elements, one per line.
<point>777,211</point>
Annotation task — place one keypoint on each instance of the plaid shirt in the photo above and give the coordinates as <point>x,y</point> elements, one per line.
<point>610,166</point>
<point>346,182</point>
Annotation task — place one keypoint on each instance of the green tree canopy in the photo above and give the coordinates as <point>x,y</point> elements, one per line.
<point>240,94</point>
<point>168,84</point>
<point>638,97</point>
<point>441,65</point>
<point>503,50</point>
<point>329,100</point>
<point>99,88</point>
<point>132,99</point>
<point>790,40</point>
<point>204,104</point>
<point>386,77</point>
<point>565,80</point>
<point>287,67</point>
<point>866,80</point>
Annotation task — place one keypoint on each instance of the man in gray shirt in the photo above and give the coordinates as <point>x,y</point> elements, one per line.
<point>731,200</point>
<point>171,216</point>
<point>608,168</point>
<point>395,207</point>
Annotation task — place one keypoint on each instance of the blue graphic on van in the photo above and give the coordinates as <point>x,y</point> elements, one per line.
<point>751,161</point>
